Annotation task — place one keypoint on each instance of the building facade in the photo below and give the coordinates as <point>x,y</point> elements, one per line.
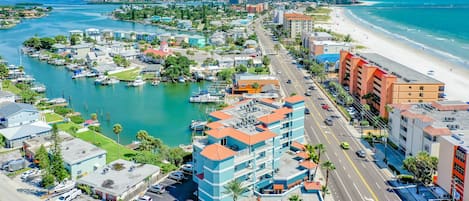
<point>419,127</point>
<point>257,8</point>
<point>246,142</point>
<point>328,47</point>
<point>245,83</point>
<point>378,81</point>
<point>296,24</point>
<point>309,37</point>
<point>82,158</point>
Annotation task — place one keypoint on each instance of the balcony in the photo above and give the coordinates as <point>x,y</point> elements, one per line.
<point>264,171</point>
<point>243,155</point>
<point>243,171</point>
<point>264,159</point>
<point>200,141</point>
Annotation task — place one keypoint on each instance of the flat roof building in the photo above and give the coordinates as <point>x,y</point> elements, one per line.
<point>82,158</point>
<point>296,24</point>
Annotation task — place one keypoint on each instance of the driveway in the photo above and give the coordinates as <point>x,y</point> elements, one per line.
<point>180,191</point>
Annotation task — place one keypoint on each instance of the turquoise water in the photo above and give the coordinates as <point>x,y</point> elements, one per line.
<point>163,111</point>
<point>439,26</point>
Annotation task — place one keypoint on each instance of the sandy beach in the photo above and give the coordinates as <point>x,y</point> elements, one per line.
<point>455,77</point>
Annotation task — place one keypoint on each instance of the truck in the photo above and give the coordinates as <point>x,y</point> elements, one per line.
<point>17,165</point>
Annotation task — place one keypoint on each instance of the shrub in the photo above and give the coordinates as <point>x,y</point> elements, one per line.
<point>86,189</point>
<point>406,178</point>
<point>95,128</point>
<point>364,123</point>
<point>62,110</point>
<point>77,119</point>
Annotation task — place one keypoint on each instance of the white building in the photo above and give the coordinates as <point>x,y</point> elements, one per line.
<point>278,17</point>
<point>82,158</point>
<point>296,24</point>
<point>328,47</point>
<point>419,127</point>
<point>6,96</point>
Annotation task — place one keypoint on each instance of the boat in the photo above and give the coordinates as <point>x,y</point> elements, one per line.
<point>211,78</point>
<point>100,79</point>
<point>39,88</point>
<point>181,79</point>
<point>204,97</point>
<point>198,125</point>
<point>110,81</point>
<point>138,82</point>
<point>57,101</point>
<point>64,186</point>
<point>155,82</point>
<point>91,74</point>
<point>79,74</point>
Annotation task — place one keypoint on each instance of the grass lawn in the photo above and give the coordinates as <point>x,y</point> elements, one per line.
<point>52,117</point>
<point>114,150</point>
<point>129,75</point>
<point>12,88</point>
<point>66,126</point>
<point>252,71</point>
<point>148,76</point>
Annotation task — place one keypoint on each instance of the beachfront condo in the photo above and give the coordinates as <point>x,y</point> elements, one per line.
<point>295,24</point>
<point>251,142</point>
<point>378,81</point>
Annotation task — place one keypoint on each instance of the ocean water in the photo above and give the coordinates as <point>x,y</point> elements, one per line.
<point>438,26</point>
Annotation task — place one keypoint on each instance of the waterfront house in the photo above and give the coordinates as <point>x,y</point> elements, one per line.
<point>6,96</point>
<point>81,50</point>
<point>181,38</point>
<point>165,37</point>
<point>93,33</point>
<point>81,158</point>
<point>250,142</point>
<point>166,19</point>
<point>148,37</point>
<point>120,180</point>
<point>157,55</point>
<point>184,24</point>
<point>225,62</point>
<point>60,48</point>
<point>196,41</point>
<point>130,55</point>
<point>155,18</point>
<point>16,114</point>
<point>107,34</point>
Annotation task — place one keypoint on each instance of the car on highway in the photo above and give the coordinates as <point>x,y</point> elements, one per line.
<point>328,121</point>
<point>345,145</point>
<point>177,175</point>
<point>289,81</point>
<point>158,188</point>
<point>145,198</point>
<point>361,153</point>
<point>307,111</point>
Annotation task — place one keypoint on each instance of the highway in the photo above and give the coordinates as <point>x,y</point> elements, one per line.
<point>354,178</point>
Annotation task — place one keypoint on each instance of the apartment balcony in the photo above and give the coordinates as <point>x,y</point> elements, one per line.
<point>267,147</point>
<point>264,160</point>
<point>200,141</point>
<point>243,155</point>
<point>264,171</point>
<point>243,171</point>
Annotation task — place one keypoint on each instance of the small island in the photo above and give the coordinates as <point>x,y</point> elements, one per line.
<point>11,15</point>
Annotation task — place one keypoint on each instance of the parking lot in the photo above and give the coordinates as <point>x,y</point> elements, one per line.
<point>180,191</point>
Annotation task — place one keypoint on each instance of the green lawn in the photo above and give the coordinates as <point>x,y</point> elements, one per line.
<point>12,88</point>
<point>129,75</point>
<point>114,150</point>
<point>252,71</point>
<point>52,117</point>
<point>66,126</point>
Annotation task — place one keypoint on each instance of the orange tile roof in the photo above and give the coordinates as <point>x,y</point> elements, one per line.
<point>278,186</point>
<point>302,155</point>
<point>298,145</point>
<point>157,52</point>
<point>214,125</point>
<point>284,110</point>
<point>422,117</point>
<point>401,106</point>
<point>312,185</point>
<point>296,16</point>
<point>241,136</point>
<point>294,99</point>
<point>267,100</point>
<point>461,106</point>
<point>218,132</point>
<point>308,164</point>
<point>217,152</point>
<point>220,115</point>
<point>436,131</point>
<point>270,118</point>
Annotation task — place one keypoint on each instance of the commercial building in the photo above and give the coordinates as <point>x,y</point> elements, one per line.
<point>82,158</point>
<point>257,8</point>
<point>278,16</point>
<point>31,146</point>
<point>250,142</point>
<point>328,47</point>
<point>120,180</point>
<point>378,81</point>
<point>246,83</point>
<point>418,127</point>
<point>296,24</point>
<point>453,165</point>
<point>308,38</point>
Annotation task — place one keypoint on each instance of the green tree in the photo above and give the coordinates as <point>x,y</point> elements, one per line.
<point>324,190</point>
<point>422,166</point>
<point>61,39</point>
<point>94,116</point>
<point>117,129</point>
<point>48,180</point>
<point>295,197</point>
<point>33,42</point>
<point>3,71</point>
<point>255,85</point>
<point>329,166</point>
<point>320,148</point>
<point>241,69</point>
<point>28,96</point>
<point>47,43</point>
<point>43,157</point>
<point>266,61</point>
<point>75,39</point>
<point>57,164</point>
<point>234,188</point>
<point>347,38</point>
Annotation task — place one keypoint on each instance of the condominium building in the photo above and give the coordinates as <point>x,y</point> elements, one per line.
<point>249,142</point>
<point>296,24</point>
<point>420,127</point>
<point>308,38</point>
<point>453,163</point>
<point>378,81</point>
<point>246,83</point>
<point>257,8</point>
<point>317,48</point>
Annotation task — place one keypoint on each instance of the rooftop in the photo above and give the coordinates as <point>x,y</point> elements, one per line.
<point>25,130</point>
<point>296,16</point>
<point>34,143</point>
<point>403,73</point>
<point>217,152</point>
<point>119,176</point>
<point>461,139</point>
<point>329,42</point>
<point>289,166</point>
<point>10,108</point>
<point>77,150</point>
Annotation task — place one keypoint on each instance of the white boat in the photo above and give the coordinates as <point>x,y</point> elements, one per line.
<point>39,88</point>
<point>80,74</point>
<point>57,101</point>
<point>181,79</point>
<point>138,82</point>
<point>64,186</point>
<point>91,74</point>
<point>155,82</point>
<point>110,81</point>
<point>100,79</point>
<point>204,97</point>
<point>211,78</point>
<point>197,125</point>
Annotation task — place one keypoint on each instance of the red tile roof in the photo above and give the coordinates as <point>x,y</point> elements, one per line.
<point>312,185</point>
<point>294,99</point>
<point>267,100</point>
<point>308,164</point>
<point>298,145</point>
<point>271,118</point>
<point>436,131</point>
<point>422,117</point>
<point>217,152</point>
<point>220,115</point>
<point>214,125</point>
<point>296,16</point>
<point>241,136</point>
<point>456,106</point>
<point>157,52</point>
<point>303,155</point>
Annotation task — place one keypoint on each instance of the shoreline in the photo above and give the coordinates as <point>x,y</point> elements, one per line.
<point>452,74</point>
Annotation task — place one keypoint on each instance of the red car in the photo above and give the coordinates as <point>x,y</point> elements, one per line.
<point>325,106</point>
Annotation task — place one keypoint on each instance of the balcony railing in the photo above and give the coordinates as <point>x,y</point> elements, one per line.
<point>243,155</point>
<point>243,171</point>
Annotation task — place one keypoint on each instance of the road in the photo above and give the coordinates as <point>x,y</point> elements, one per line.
<point>354,178</point>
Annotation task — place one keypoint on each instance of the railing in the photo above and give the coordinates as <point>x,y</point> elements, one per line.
<point>243,155</point>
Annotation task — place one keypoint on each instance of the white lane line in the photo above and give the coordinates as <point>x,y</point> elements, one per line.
<point>349,176</point>
<point>357,190</point>
<point>378,186</point>
<point>344,187</point>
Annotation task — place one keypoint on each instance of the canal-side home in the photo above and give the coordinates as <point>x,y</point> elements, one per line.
<point>82,158</point>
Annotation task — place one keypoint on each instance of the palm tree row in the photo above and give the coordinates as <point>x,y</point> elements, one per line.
<point>314,154</point>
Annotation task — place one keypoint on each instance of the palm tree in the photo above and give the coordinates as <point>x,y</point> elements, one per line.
<point>348,100</point>
<point>234,187</point>
<point>325,191</point>
<point>422,166</point>
<point>295,198</point>
<point>117,129</point>
<point>321,148</point>
<point>329,166</point>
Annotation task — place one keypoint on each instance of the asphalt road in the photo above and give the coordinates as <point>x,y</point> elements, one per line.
<point>354,178</point>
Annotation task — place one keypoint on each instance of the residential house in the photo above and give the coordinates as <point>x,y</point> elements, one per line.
<point>196,41</point>
<point>120,180</point>
<point>93,33</point>
<point>166,19</point>
<point>165,37</point>
<point>82,158</point>
<point>75,32</point>
<point>242,61</point>
<point>378,81</point>
<point>161,53</point>
<point>181,38</point>
<point>295,24</point>
<point>184,24</point>
<point>250,44</point>
<point>417,127</point>
<point>218,38</point>
<point>31,146</point>
<point>81,50</point>
<point>225,62</point>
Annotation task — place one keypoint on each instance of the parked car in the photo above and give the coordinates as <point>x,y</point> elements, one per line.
<point>70,195</point>
<point>361,153</point>
<point>187,167</point>
<point>16,165</point>
<point>26,174</point>
<point>325,106</point>
<point>289,81</point>
<point>308,93</point>
<point>158,188</point>
<point>311,87</point>
<point>345,145</point>
<point>329,122</point>
<point>177,175</point>
<point>145,198</point>
<point>307,111</point>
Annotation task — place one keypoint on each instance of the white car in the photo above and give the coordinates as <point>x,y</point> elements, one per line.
<point>26,174</point>
<point>75,193</point>
<point>177,175</point>
<point>67,196</point>
<point>145,198</point>
<point>158,188</point>
<point>187,167</point>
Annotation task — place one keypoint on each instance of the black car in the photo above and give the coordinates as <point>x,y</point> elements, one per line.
<point>288,81</point>
<point>361,153</point>
<point>311,87</point>
<point>307,111</point>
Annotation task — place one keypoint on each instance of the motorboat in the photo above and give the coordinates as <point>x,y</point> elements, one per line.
<point>204,97</point>
<point>155,82</point>
<point>100,79</point>
<point>137,82</point>
<point>197,125</point>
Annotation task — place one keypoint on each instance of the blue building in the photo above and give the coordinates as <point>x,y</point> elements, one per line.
<point>257,142</point>
<point>197,41</point>
<point>330,61</point>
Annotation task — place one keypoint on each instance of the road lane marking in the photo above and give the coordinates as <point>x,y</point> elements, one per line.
<point>357,190</point>
<point>378,186</point>
<point>345,188</point>
<point>361,176</point>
